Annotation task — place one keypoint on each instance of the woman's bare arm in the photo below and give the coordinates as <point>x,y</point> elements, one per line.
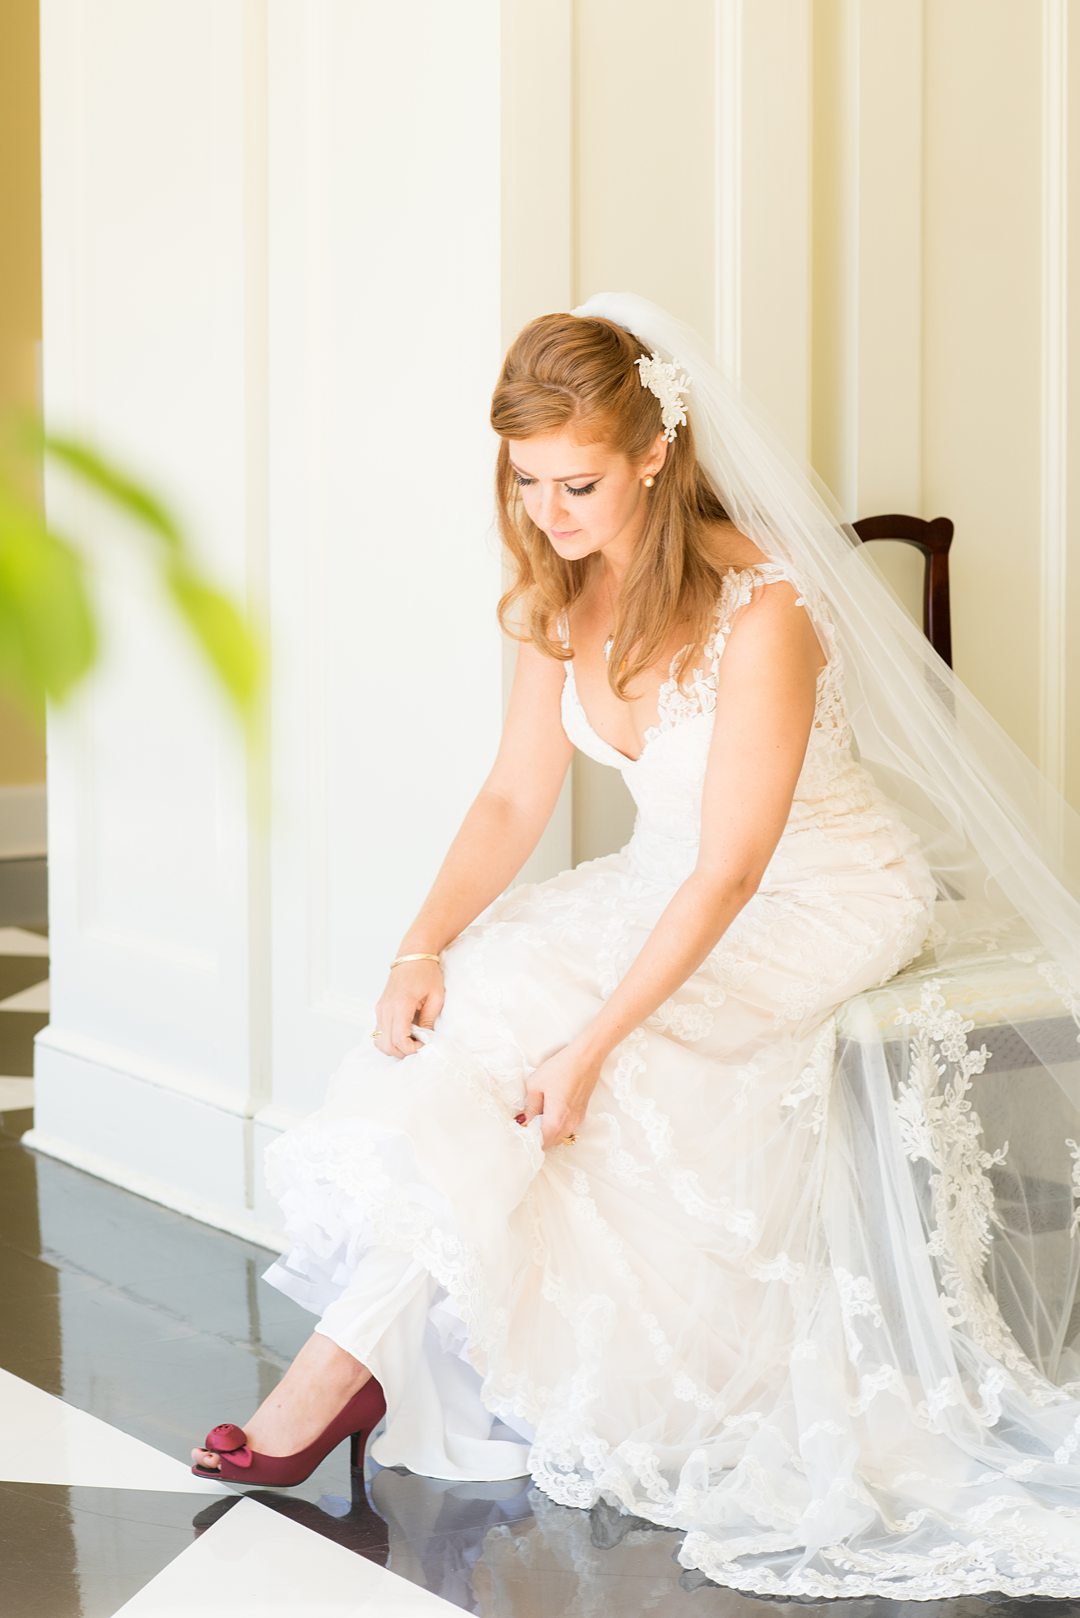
<point>764,709</point>
<point>501,828</point>
<point>509,813</point>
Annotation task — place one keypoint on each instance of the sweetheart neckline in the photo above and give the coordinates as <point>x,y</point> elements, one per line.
<point>652,732</point>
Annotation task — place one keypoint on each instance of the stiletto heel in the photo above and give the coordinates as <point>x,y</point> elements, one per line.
<point>240,1464</point>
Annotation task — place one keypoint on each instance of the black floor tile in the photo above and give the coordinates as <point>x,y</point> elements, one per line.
<point>24,894</point>
<point>17,1031</point>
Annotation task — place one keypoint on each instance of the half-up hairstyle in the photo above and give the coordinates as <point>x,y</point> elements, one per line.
<point>568,372</point>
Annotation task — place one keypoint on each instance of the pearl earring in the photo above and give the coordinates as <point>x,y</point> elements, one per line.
<point>649,481</point>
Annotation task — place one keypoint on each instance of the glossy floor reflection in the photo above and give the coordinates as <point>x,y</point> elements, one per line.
<point>126,1331</point>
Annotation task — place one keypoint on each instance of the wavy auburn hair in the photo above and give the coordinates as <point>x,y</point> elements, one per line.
<point>566,371</point>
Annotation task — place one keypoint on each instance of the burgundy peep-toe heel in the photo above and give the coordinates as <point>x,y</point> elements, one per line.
<point>240,1464</point>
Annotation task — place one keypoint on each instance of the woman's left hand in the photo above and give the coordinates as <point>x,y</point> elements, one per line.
<point>558,1092</point>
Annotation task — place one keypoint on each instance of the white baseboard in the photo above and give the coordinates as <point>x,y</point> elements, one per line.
<point>175,1149</point>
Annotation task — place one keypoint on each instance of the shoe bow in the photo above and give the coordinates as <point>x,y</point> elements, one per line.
<point>228,1439</point>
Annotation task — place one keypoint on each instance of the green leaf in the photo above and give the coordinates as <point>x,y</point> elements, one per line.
<point>233,647</point>
<point>105,475</point>
<point>48,639</point>
<point>48,634</point>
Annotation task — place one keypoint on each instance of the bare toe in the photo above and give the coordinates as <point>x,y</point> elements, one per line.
<point>206,1458</point>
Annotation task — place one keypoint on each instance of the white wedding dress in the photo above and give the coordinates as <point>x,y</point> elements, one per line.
<point>719,1309</point>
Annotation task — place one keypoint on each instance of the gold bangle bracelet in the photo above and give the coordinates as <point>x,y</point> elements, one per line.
<point>423,955</point>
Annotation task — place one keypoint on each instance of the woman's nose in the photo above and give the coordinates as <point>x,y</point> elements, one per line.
<point>550,512</point>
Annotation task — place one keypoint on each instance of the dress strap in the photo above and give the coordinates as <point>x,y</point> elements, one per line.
<point>771,570</point>
<point>738,588</point>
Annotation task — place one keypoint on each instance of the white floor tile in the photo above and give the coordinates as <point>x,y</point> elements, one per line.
<point>44,1440</point>
<point>254,1563</point>
<point>16,1093</point>
<point>20,941</point>
<point>35,997</point>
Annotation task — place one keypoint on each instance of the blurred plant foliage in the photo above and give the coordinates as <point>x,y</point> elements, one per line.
<point>49,635</point>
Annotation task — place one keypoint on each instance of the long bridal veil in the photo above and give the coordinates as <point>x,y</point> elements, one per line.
<point>949,1194</point>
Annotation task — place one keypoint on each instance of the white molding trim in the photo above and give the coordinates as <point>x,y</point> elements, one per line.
<point>1053,502</point>
<point>761,133</point>
<point>181,1150</point>
<point>23,821</point>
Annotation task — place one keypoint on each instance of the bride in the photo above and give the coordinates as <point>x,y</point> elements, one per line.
<point>661,1180</point>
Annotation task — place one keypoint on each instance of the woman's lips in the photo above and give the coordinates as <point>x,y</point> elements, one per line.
<point>563,533</point>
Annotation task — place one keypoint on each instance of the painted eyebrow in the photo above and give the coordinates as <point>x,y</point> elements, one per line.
<point>594,475</point>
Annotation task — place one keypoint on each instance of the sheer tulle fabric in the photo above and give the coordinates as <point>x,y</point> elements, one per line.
<point>806,1287</point>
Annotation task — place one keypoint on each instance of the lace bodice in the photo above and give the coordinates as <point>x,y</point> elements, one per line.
<point>667,778</point>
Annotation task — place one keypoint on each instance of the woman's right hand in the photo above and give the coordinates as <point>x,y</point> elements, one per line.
<point>414,993</point>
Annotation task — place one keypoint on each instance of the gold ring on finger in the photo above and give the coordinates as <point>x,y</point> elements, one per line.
<point>569,1140</point>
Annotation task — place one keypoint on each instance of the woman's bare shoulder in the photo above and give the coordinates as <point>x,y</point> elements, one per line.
<point>729,547</point>
<point>735,550</point>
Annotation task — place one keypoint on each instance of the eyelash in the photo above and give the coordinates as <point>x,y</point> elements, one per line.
<point>586,488</point>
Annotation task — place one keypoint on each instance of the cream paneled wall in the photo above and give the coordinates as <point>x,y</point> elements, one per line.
<point>982,425</point>
<point>292,310</point>
<point>872,206</point>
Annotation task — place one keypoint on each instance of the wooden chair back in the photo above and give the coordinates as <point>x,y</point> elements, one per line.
<point>932,536</point>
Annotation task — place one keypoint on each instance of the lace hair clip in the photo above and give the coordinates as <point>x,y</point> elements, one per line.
<point>660,377</point>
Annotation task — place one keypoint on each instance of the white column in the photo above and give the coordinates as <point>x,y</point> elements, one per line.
<point>276,272</point>
<point>153,343</point>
